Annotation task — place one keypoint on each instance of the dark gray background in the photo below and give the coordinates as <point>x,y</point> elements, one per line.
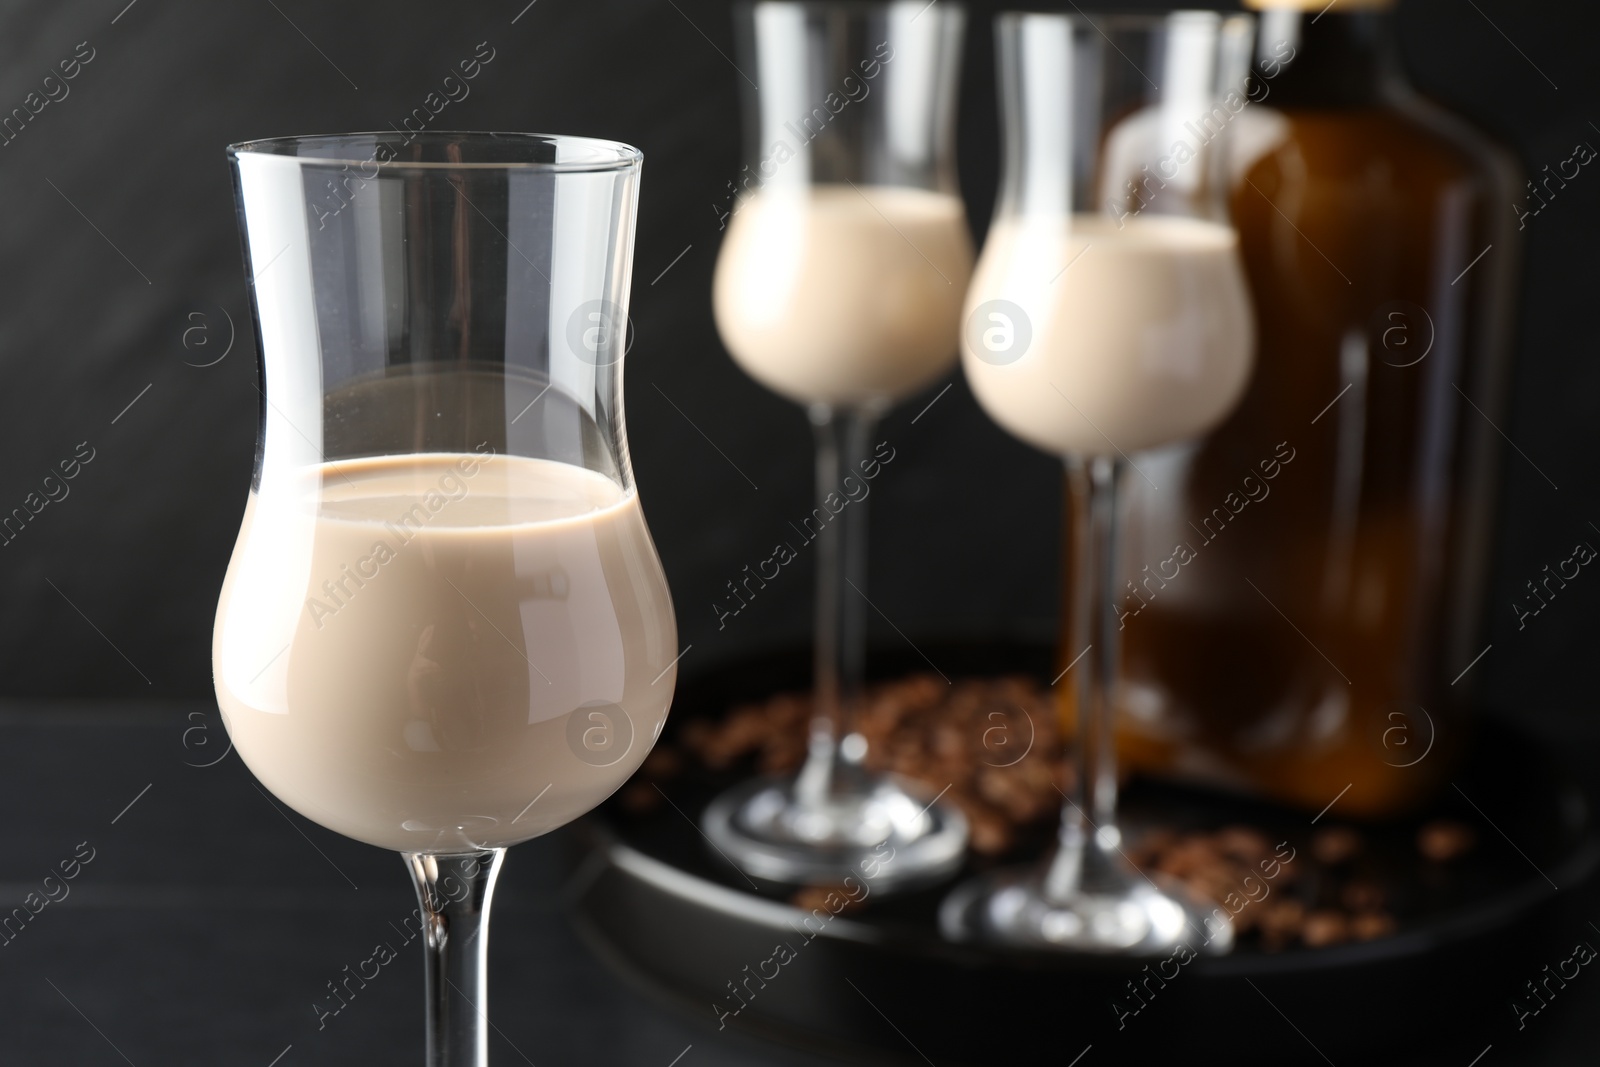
<point>208,925</point>
<point>965,523</point>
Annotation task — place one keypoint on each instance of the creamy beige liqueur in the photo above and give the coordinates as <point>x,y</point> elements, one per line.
<point>1131,336</point>
<point>444,652</point>
<point>843,294</point>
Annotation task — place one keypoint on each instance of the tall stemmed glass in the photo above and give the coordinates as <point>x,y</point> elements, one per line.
<point>839,285</point>
<point>1108,315</point>
<point>444,629</point>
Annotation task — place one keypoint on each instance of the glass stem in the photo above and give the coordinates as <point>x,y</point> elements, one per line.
<point>838,525</point>
<point>1089,839</point>
<point>454,893</point>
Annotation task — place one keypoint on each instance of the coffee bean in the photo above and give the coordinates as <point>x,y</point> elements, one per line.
<point>1326,927</point>
<point>1372,925</point>
<point>1360,896</point>
<point>1443,840</point>
<point>1335,844</point>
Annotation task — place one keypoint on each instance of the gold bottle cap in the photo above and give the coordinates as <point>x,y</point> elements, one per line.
<point>1319,5</point>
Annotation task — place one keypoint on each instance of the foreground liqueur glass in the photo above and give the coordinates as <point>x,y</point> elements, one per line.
<point>444,629</point>
<point>839,286</point>
<point>1108,315</point>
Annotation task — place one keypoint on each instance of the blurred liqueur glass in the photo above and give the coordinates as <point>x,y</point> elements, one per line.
<point>1108,316</point>
<point>444,628</point>
<point>1305,590</point>
<point>839,286</point>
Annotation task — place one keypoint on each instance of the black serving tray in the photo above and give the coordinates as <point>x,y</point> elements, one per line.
<point>884,986</point>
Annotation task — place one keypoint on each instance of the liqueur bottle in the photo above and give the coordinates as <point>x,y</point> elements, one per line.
<point>1303,586</point>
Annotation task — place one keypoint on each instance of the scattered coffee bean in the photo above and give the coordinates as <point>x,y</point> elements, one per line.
<point>1372,925</point>
<point>639,797</point>
<point>995,747</point>
<point>1335,844</point>
<point>1359,896</point>
<point>1243,843</point>
<point>993,743</point>
<point>1282,921</point>
<point>835,899</point>
<point>1325,927</point>
<point>1443,840</point>
<point>663,764</point>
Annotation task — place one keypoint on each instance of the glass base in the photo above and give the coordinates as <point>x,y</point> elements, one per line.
<point>886,834</point>
<point>1011,907</point>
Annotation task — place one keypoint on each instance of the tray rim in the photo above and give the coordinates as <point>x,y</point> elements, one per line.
<point>1481,918</point>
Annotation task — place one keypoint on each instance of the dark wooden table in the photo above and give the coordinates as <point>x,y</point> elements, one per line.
<point>209,921</point>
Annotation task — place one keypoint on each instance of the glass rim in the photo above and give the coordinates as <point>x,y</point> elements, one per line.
<point>858,7</point>
<point>600,154</point>
<point>1136,20</point>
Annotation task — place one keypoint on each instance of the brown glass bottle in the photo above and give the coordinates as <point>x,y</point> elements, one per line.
<point>1334,530</point>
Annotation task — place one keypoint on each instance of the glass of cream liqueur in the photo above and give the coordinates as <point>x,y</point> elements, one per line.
<point>444,628</point>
